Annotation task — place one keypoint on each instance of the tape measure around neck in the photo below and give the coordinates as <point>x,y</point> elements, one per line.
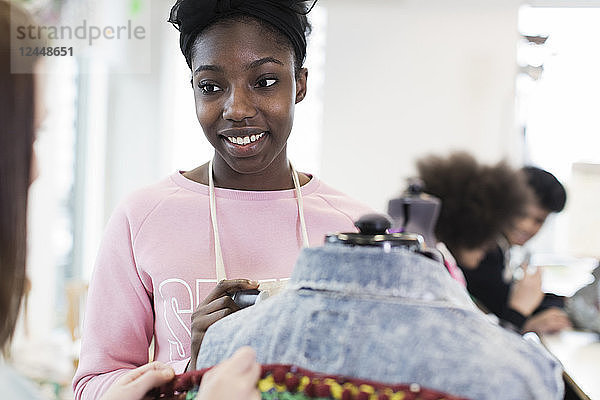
<point>219,265</point>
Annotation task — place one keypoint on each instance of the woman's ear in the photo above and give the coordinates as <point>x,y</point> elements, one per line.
<point>301,78</point>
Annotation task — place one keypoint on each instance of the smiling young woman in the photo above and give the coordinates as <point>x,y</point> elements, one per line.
<point>170,250</point>
<point>245,91</point>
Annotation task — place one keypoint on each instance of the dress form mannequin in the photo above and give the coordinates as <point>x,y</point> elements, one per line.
<point>416,212</point>
<point>360,305</point>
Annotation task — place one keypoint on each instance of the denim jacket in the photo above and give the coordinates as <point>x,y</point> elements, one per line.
<point>393,317</point>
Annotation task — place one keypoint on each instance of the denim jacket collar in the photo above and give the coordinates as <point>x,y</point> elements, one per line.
<point>398,273</point>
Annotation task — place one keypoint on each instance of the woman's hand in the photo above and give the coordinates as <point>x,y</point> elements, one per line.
<point>216,305</point>
<point>233,379</point>
<point>548,321</point>
<point>526,294</point>
<point>135,384</point>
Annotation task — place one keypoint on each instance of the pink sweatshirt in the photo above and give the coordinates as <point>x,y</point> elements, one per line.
<point>156,264</point>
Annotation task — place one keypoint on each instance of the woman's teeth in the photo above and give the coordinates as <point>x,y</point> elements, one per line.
<point>245,139</point>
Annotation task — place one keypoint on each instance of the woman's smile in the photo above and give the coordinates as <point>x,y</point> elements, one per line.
<point>244,143</point>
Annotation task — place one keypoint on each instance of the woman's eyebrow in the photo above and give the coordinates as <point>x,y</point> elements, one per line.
<point>208,68</point>
<point>252,65</point>
<point>259,62</point>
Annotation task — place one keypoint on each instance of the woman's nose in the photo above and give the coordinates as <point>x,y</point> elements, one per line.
<point>239,105</point>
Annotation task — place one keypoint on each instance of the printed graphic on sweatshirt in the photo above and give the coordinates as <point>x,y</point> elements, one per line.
<point>178,300</point>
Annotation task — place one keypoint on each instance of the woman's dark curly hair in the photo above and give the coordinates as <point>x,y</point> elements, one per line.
<point>478,201</point>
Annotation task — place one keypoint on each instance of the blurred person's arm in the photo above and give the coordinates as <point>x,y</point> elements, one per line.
<point>551,320</point>
<point>526,294</point>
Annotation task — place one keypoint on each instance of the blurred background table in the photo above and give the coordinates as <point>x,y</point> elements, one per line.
<point>579,353</point>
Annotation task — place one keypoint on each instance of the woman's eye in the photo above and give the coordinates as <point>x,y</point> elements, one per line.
<point>208,88</point>
<point>266,82</point>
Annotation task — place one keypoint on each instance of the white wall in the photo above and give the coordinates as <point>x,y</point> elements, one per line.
<point>135,148</point>
<point>584,236</point>
<point>406,78</point>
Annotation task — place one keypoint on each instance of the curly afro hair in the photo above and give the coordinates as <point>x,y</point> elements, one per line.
<point>478,201</point>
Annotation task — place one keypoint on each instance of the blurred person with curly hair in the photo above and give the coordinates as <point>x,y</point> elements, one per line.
<point>485,209</point>
<point>478,202</point>
<point>492,282</point>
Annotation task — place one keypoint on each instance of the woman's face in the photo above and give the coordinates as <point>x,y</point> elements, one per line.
<point>526,227</point>
<point>245,90</point>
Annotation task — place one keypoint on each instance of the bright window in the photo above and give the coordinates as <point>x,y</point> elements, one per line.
<point>559,111</point>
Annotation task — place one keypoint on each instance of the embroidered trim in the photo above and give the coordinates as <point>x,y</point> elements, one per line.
<point>288,382</point>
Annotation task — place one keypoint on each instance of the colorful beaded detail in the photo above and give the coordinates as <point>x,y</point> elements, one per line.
<point>288,382</point>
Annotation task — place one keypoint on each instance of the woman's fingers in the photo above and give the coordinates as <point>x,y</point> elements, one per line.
<point>148,380</point>
<point>244,357</point>
<point>234,378</point>
<point>215,305</point>
<point>206,315</point>
<point>138,372</point>
<point>228,287</point>
<point>243,361</point>
<point>200,324</point>
<point>204,321</point>
<point>136,383</point>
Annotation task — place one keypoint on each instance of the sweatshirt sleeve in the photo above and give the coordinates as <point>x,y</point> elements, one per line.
<point>119,317</point>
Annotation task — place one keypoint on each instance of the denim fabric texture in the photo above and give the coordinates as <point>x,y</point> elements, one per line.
<point>393,317</point>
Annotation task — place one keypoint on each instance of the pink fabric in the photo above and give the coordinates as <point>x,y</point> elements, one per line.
<point>156,263</point>
<point>451,264</point>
